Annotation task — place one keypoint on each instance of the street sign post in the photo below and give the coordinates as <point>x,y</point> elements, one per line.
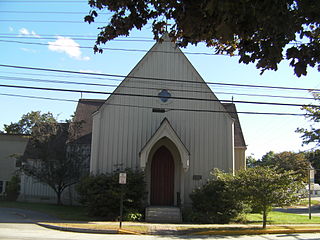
<point>122,182</point>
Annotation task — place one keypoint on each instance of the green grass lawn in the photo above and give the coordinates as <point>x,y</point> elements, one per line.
<point>76,213</point>
<point>305,202</point>
<point>275,217</point>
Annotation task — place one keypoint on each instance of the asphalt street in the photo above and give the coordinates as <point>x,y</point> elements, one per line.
<point>16,224</point>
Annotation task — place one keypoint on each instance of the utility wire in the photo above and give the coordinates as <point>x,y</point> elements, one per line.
<point>74,38</point>
<point>153,96</point>
<point>166,110</point>
<point>149,88</point>
<point>91,37</point>
<point>62,76</point>
<point>114,49</point>
<point>77,35</point>
<point>48,12</point>
<point>44,1</point>
<point>213,111</point>
<point>34,97</point>
<point>158,79</point>
<point>47,21</point>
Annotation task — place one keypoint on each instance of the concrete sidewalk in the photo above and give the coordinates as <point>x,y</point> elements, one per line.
<point>14,215</point>
<point>178,229</point>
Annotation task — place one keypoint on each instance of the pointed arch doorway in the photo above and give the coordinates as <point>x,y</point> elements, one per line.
<point>166,137</point>
<point>162,178</point>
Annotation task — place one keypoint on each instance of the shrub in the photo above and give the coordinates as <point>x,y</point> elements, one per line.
<point>133,216</point>
<point>13,188</point>
<point>101,195</point>
<point>215,202</point>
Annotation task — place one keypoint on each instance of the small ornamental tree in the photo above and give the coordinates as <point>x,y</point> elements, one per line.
<point>49,157</point>
<point>264,188</point>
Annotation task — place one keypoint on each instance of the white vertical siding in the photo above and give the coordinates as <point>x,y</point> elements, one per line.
<point>123,130</point>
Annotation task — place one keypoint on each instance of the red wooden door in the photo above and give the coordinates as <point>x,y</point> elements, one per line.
<point>162,178</point>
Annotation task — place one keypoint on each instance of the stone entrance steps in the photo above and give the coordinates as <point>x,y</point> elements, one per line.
<point>163,214</point>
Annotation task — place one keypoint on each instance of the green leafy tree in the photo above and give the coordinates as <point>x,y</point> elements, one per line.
<point>251,162</point>
<point>264,188</point>
<point>311,135</point>
<point>258,31</point>
<point>28,121</point>
<point>50,158</point>
<point>284,161</point>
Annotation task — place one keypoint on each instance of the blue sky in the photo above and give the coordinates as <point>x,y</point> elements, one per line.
<point>56,37</point>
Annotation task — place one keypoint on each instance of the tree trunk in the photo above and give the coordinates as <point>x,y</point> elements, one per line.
<point>59,198</point>
<point>264,219</point>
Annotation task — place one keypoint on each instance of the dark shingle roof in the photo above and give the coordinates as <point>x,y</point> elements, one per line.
<point>84,111</point>
<point>238,135</point>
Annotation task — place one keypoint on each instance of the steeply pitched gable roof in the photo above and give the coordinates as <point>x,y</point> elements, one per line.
<point>163,66</point>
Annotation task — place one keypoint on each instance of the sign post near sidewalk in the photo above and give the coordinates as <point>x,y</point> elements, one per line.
<point>122,182</point>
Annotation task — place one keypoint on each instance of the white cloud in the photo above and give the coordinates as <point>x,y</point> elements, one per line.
<point>26,32</point>
<point>68,46</point>
<point>11,29</point>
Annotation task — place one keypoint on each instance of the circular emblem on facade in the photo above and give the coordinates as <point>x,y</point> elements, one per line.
<point>164,95</point>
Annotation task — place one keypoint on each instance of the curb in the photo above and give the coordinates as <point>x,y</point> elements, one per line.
<point>20,214</point>
<point>79,230</point>
<point>193,233</point>
<point>255,232</point>
<point>123,231</point>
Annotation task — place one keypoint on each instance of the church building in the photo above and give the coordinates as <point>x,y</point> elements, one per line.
<point>165,120</point>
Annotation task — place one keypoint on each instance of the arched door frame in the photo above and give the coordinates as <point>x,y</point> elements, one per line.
<point>165,130</point>
<point>165,135</point>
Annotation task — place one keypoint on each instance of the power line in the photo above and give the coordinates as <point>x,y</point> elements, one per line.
<point>58,81</point>
<point>159,79</point>
<point>214,111</point>
<point>149,88</point>
<point>115,49</point>
<point>167,109</point>
<point>44,1</point>
<point>33,97</point>
<point>63,76</point>
<point>77,35</point>
<point>74,38</point>
<point>47,12</point>
<point>118,39</point>
<point>154,96</point>
<point>47,21</point>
